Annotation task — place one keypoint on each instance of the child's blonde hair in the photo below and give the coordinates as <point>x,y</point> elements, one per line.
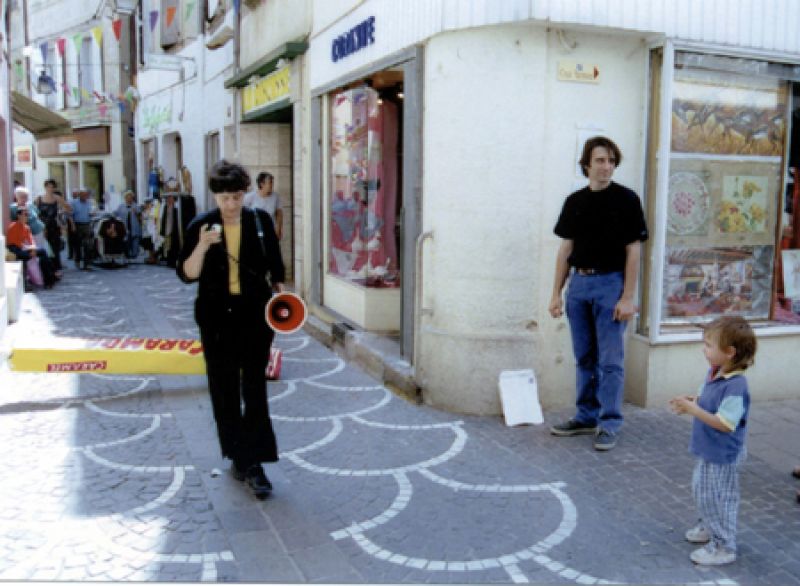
<point>734,331</point>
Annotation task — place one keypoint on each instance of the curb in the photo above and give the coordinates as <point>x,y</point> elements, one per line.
<point>371,352</point>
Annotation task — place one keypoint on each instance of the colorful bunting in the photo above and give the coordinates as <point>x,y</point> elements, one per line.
<point>76,92</point>
<point>103,109</point>
<point>189,8</point>
<point>97,33</point>
<point>236,5</point>
<point>43,49</point>
<point>116,25</point>
<point>85,93</point>
<point>171,14</point>
<point>18,69</point>
<point>153,19</point>
<point>61,45</point>
<point>100,97</point>
<point>78,40</point>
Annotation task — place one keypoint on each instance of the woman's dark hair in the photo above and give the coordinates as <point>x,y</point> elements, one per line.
<point>599,141</point>
<point>262,177</point>
<point>228,177</point>
<point>50,182</point>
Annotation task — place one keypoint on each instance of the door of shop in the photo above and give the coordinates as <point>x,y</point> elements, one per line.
<point>368,211</point>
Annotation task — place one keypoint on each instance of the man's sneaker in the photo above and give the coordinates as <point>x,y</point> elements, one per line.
<point>604,440</point>
<point>258,481</point>
<point>573,427</point>
<point>711,555</point>
<point>698,534</point>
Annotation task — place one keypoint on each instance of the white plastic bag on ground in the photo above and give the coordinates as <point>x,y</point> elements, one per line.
<point>519,396</point>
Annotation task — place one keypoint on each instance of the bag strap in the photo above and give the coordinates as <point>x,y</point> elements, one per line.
<point>260,232</point>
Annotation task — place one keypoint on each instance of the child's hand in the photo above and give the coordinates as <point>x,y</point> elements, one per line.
<point>682,404</point>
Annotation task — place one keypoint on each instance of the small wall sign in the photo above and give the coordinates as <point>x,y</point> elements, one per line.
<point>580,72</point>
<point>67,148</point>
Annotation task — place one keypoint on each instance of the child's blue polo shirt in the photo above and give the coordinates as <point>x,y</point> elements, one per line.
<point>725,395</point>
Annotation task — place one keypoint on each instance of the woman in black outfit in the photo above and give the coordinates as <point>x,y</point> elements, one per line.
<point>234,267</point>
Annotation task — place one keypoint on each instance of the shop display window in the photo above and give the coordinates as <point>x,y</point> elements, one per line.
<point>364,163</point>
<point>731,225</point>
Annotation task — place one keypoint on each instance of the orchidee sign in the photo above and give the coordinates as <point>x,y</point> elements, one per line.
<point>358,37</point>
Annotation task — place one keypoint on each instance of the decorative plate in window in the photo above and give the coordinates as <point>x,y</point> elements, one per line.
<point>687,211</point>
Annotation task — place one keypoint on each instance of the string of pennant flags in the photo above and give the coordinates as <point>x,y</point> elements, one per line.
<point>116,27</point>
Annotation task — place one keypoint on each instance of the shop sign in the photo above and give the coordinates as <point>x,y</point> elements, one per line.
<point>155,116</point>
<point>23,156</point>
<point>355,39</point>
<point>581,72</point>
<point>266,91</point>
<point>68,148</point>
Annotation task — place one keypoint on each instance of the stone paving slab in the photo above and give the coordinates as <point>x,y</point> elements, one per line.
<point>369,489</point>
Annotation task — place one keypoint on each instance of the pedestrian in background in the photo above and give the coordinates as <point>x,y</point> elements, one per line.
<point>719,432</point>
<point>130,215</point>
<point>22,202</point>
<point>20,241</point>
<point>82,209</point>
<point>51,205</point>
<point>602,227</point>
<point>265,199</point>
<point>233,252</point>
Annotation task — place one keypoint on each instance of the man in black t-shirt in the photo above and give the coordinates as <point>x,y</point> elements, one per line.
<point>602,227</point>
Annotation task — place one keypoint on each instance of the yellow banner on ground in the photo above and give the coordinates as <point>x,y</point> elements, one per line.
<point>113,356</point>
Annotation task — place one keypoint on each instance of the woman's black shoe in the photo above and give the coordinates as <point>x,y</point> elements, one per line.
<point>238,472</point>
<point>258,481</point>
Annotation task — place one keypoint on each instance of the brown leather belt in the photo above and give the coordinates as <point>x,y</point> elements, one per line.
<point>592,271</point>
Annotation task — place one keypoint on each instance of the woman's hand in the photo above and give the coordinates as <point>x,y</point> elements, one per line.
<point>209,235</point>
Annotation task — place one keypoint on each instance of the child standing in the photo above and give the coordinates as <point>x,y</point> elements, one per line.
<point>718,437</point>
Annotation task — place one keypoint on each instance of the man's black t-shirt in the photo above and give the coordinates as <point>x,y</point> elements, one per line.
<point>601,224</point>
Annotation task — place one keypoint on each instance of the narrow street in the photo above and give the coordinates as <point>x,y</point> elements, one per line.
<point>119,478</point>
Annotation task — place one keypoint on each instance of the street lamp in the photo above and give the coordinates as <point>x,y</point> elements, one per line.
<point>45,84</point>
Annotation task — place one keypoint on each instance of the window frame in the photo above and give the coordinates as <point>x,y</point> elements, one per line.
<point>653,279</point>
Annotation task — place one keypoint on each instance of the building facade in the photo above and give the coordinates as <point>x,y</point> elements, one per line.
<point>76,60</point>
<point>445,137</point>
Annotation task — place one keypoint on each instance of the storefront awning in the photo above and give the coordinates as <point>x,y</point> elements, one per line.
<point>40,121</point>
<point>280,111</point>
<point>267,63</point>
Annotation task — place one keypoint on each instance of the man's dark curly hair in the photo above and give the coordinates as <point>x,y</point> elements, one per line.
<point>228,177</point>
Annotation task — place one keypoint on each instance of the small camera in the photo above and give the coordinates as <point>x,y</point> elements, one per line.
<point>216,228</point>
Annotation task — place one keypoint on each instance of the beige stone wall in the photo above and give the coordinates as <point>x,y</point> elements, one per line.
<point>268,147</point>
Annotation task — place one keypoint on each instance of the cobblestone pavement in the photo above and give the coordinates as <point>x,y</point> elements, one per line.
<point>118,477</point>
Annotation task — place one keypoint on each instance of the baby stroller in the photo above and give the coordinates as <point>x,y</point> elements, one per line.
<point>109,242</point>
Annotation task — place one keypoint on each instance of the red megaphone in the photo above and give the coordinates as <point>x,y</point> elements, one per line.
<point>286,313</point>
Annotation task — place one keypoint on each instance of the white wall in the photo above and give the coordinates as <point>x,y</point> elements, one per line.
<point>499,159</point>
<point>763,25</point>
<point>270,25</point>
<point>199,105</point>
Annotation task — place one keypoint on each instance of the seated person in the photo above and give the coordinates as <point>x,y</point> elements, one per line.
<point>19,240</point>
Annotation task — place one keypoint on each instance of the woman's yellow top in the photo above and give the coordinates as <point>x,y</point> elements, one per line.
<point>233,240</point>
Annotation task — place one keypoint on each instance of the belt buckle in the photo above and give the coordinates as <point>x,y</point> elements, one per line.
<point>587,271</point>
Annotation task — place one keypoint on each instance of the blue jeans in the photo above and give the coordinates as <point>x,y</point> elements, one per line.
<point>598,342</point>
<point>132,246</point>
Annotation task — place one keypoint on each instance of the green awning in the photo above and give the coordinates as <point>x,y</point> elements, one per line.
<point>40,121</point>
<point>280,111</point>
<point>267,63</point>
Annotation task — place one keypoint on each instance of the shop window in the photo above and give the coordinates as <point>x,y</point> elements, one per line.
<point>365,124</point>
<point>731,242</point>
